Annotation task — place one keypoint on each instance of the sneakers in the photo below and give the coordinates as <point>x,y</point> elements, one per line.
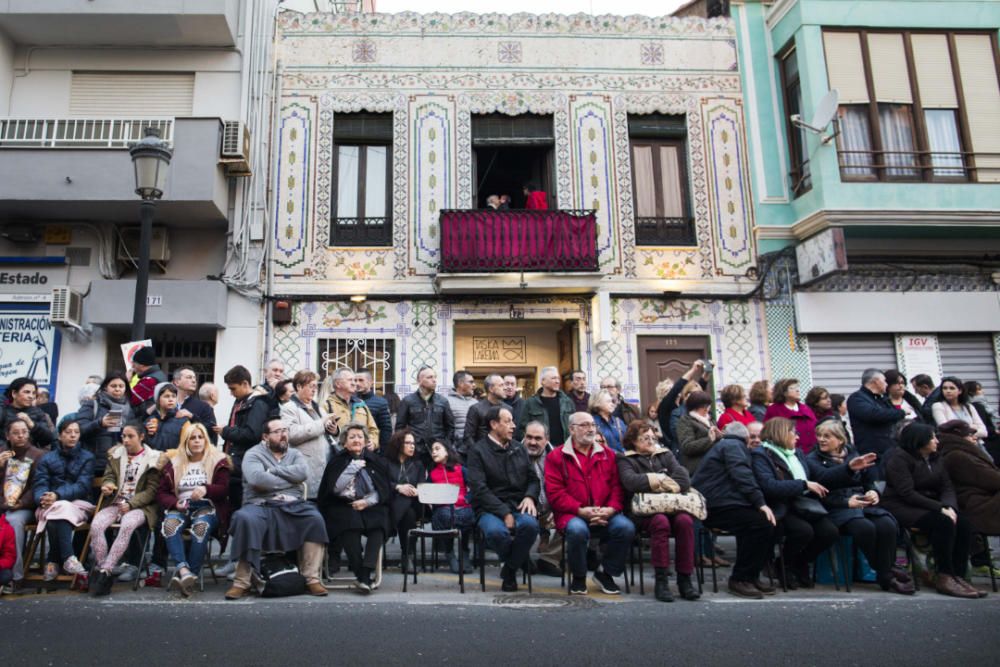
<point>73,566</point>
<point>175,586</point>
<point>129,573</point>
<point>364,582</point>
<point>607,584</point>
<point>548,569</point>
<point>578,586</point>
<point>51,572</point>
<point>744,589</point>
<point>187,582</point>
<point>509,580</point>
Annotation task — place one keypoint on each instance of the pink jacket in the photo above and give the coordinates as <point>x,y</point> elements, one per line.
<point>804,419</point>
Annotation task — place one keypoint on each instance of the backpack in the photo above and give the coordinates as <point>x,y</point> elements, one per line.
<point>281,577</point>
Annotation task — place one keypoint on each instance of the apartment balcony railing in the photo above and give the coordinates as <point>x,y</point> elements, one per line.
<point>491,241</point>
<point>79,132</point>
<point>895,166</point>
<point>664,231</point>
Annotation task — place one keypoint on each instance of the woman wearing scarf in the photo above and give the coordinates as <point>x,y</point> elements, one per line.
<point>783,476</point>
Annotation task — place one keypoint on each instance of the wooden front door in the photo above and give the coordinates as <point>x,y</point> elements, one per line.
<point>666,357</point>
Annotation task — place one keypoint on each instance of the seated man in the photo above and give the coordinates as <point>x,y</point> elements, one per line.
<point>504,489</point>
<point>582,486</point>
<point>275,515</point>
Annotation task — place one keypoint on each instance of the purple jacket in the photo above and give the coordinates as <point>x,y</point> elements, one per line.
<point>804,419</point>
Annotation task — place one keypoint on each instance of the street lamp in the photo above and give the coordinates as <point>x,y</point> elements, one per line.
<point>151,160</point>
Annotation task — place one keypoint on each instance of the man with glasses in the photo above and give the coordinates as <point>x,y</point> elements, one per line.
<point>275,515</point>
<point>536,441</point>
<point>188,403</point>
<point>623,409</point>
<point>587,499</point>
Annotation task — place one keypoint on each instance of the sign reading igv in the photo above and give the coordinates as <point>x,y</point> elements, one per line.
<point>499,349</point>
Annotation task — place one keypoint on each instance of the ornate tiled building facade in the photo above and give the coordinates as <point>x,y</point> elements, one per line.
<point>434,73</point>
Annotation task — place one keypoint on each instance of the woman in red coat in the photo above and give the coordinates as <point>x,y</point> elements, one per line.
<point>787,404</point>
<point>193,492</point>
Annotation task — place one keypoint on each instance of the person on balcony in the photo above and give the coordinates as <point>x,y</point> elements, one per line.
<point>535,199</point>
<point>493,202</point>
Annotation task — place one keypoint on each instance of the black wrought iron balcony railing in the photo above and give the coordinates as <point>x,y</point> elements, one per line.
<point>361,231</point>
<point>664,231</point>
<point>487,240</point>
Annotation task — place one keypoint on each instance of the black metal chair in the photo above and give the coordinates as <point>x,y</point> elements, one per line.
<point>480,538</point>
<point>565,581</point>
<point>435,494</point>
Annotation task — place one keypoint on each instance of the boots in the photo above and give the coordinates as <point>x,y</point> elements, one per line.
<point>685,588</point>
<point>945,584</point>
<point>661,590</point>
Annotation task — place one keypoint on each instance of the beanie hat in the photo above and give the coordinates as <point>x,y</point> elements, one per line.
<point>144,356</point>
<point>159,389</point>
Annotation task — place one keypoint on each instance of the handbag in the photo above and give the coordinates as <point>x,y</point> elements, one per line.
<point>281,577</point>
<point>649,504</point>
<point>808,508</point>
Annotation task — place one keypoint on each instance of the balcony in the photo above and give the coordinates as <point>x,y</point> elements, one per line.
<point>121,22</point>
<point>665,231</point>
<point>489,241</point>
<point>80,169</point>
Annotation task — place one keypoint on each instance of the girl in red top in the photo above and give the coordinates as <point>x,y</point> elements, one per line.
<point>735,401</point>
<point>447,470</point>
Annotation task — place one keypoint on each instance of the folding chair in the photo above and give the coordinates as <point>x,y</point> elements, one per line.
<point>346,582</point>
<point>144,543</point>
<point>989,561</point>
<point>435,494</point>
<point>37,539</point>
<point>642,537</point>
<point>566,581</point>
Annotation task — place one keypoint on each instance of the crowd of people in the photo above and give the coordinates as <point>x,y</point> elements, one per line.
<point>320,471</point>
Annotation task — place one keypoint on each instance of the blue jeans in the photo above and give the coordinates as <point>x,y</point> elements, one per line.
<point>617,535</point>
<point>513,549</point>
<point>60,536</point>
<point>465,520</point>
<point>173,534</point>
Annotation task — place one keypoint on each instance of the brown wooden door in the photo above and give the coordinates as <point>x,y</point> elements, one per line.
<point>663,357</point>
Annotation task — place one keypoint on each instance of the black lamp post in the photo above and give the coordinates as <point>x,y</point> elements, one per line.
<point>151,159</point>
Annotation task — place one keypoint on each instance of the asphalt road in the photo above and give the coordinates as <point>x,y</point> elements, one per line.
<point>435,625</point>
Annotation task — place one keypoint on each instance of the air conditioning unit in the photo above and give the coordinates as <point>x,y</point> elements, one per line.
<point>66,307</point>
<point>128,245</point>
<point>235,153</point>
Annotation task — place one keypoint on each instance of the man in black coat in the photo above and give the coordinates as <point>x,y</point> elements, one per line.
<point>476,425</point>
<point>188,403</point>
<point>378,406</point>
<point>503,491</point>
<point>245,429</point>
<point>427,415</point>
<point>873,416</point>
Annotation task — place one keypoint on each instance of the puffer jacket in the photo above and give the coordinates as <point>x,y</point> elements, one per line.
<point>68,473</point>
<point>168,433</point>
<point>725,476</point>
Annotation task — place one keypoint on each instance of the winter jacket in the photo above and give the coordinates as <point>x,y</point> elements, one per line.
<point>439,474</point>
<point>353,410</point>
<point>201,413</point>
<point>27,500</point>
<point>517,405</point>
<point>916,486</point>
<point>142,391</point>
<point>843,484</point>
<point>412,472</point>
<point>168,432</point>
<point>246,425</point>
<point>580,403</point>
<point>307,433</point>
<point>460,406</point>
<point>534,410</point>
<point>97,438</point>
<point>476,423</point>
<point>976,480</point>
<point>69,473</point>
<point>379,407</point>
<point>639,473</point>
<point>43,433</point>
<point>570,484</point>
<point>8,546</point>
<point>627,412</point>
<point>429,419</point>
<point>499,478</point>
<point>873,421</point>
<point>726,478</point>
<point>804,420</point>
<point>151,462</point>
<point>337,510</point>
<point>217,490</point>
<point>694,439</point>
<point>776,481</point>
<point>613,431</point>
<point>731,415</point>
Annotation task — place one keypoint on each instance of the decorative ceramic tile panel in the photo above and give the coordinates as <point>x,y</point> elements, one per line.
<point>292,221</point>
<point>432,178</point>
<point>592,157</point>
<point>728,186</point>
<point>789,351</point>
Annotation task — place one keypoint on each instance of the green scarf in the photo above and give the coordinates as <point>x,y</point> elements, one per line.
<point>798,472</point>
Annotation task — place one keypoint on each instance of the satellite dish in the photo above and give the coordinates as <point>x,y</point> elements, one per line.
<point>824,114</point>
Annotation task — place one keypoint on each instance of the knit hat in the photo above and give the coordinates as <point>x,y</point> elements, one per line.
<point>144,356</point>
<point>956,427</point>
<point>159,389</point>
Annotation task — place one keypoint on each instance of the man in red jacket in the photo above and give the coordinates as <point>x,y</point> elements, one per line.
<point>581,483</point>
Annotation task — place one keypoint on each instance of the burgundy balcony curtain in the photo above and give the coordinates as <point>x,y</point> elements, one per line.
<point>518,240</point>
